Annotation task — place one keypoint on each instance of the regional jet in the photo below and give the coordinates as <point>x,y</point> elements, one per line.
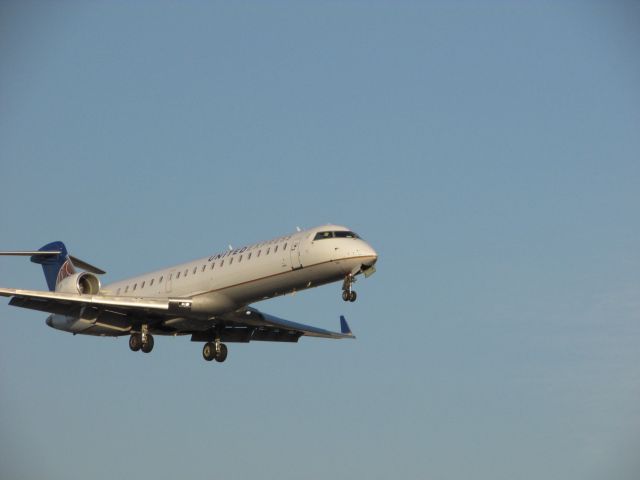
<point>209,298</point>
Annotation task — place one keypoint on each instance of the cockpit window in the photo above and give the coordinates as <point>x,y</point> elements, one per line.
<point>339,234</point>
<point>323,235</point>
<point>345,235</point>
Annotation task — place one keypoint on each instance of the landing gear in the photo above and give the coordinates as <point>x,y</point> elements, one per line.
<point>348,294</point>
<point>135,342</point>
<point>215,351</point>
<point>221,356</point>
<point>141,341</point>
<point>209,351</point>
<point>147,343</point>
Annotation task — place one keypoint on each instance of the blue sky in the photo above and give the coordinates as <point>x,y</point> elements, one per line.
<point>489,152</point>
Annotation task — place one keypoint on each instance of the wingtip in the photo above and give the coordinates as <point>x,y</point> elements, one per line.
<point>344,326</point>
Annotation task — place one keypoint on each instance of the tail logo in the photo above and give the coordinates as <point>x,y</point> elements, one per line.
<point>66,270</point>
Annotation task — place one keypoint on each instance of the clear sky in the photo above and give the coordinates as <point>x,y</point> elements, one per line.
<point>488,151</point>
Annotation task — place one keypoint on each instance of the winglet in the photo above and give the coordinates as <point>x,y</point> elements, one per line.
<point>344,326</point>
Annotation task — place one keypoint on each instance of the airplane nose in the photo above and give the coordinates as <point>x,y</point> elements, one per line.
<point>372,254</point>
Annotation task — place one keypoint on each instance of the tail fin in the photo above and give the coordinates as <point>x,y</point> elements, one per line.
<point>55,262</point>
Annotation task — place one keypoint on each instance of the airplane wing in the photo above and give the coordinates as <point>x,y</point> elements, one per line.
<point>63,303</point>
<point>253,318</point>
<point>169,315</point>
<point>308,330</point>
<point>249,324</point>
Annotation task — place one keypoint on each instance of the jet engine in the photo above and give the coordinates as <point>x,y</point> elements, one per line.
<point>83,283</point>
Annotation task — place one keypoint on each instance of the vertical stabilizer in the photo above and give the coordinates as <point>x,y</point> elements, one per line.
<point>56,266</point>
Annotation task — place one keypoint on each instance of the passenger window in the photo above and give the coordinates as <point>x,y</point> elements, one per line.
<point>142,286</point>
<point>186,271</point>
<point>231,261</point>
<point>268,249</point>
<point>151,282</point>
<point>259,252</point>
<point>178,275</point>
<point>213,265</point>
<point>222,263</point>
<point>249,256</point>
<point>203,267</point>
<point>285,246</point>
<point>160,281</point>
<point>126,289</point>
<point>275,249</point>
<point>135,285</point>
<point>240,259</point>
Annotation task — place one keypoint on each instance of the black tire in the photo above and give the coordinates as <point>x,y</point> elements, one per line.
<point>209,351</point>
<point>148,345</point>
<point>135,342</point>
<point>353,296</point>
<point>346,295</point>
<point>222,354</point>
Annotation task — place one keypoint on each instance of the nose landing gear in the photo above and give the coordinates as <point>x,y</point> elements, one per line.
<point>348,294</point>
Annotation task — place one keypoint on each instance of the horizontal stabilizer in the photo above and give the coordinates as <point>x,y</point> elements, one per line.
<point>31,253</point>
<point>50,253</point>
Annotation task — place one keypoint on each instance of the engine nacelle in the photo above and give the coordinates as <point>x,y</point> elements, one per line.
<point>83,283</point>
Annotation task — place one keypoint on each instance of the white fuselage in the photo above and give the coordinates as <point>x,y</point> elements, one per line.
<point>223,282</point>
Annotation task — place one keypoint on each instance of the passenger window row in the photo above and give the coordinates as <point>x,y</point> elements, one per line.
<point>212,259</point>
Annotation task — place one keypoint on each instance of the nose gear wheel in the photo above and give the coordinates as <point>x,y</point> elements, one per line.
<point>348,294</point>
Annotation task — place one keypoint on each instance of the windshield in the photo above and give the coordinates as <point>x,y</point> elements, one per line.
<point>338,234</point>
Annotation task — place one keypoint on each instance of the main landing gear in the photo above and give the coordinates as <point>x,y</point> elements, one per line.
<point>215,350</point>
<point>348,294</point>
<point>141,341</point>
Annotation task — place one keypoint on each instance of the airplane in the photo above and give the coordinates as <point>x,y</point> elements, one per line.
<point>209,298</point>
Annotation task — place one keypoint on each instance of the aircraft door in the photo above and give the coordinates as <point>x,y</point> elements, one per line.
<point>295,254</point>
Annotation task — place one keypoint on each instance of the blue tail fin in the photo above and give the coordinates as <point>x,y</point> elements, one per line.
<point>56,266</point>
<point>344,326</point>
